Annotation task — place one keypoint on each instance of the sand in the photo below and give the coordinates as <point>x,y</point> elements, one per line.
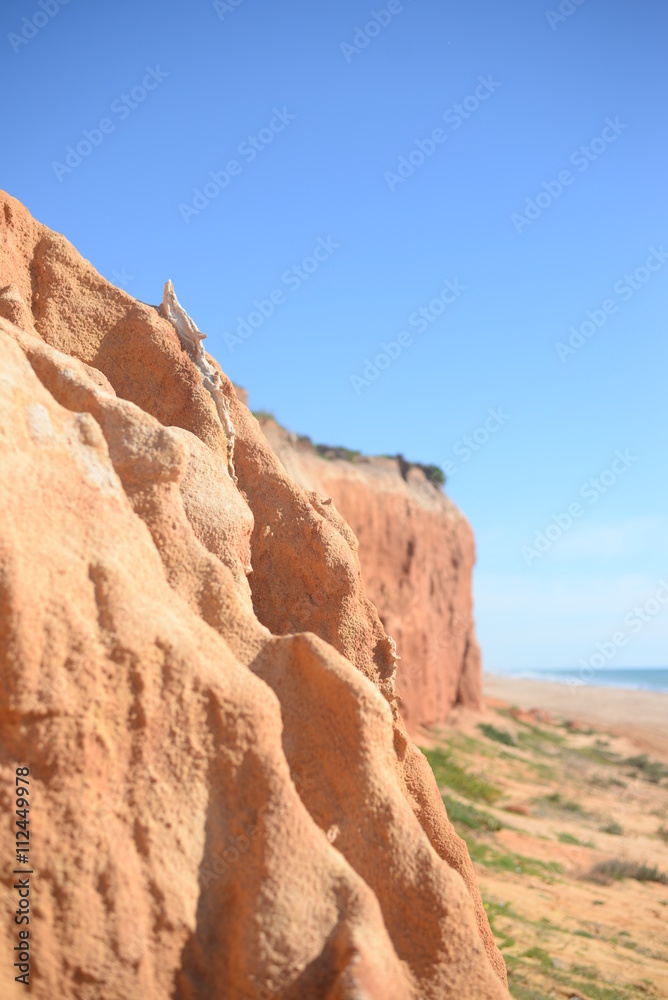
<point>640,715</point>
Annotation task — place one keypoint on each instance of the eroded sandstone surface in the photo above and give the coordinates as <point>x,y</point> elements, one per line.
<point>224,798</point>
<point>417,553</point>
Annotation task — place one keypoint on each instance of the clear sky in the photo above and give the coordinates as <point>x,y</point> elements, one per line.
<point>518,154</point>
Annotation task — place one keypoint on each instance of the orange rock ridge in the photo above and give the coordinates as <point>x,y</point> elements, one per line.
<point>224,798</point>
<point>417,553</point>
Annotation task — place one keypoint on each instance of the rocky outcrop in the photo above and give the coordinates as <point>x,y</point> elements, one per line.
<point>417,552</point>
<point>224,799</point>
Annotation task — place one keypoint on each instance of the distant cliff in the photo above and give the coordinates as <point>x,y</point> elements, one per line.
<point>417,552</point>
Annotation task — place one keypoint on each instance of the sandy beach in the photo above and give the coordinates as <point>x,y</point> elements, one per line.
<point>561,795</point>
<point>640,715</point>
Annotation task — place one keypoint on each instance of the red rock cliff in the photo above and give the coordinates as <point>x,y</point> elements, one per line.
<point>224,801</point>
<point>417,552</point>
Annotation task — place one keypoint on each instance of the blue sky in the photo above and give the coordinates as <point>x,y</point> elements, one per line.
<point>480,106</point>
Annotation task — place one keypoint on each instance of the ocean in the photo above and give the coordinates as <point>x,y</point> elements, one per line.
<point>635,678</point>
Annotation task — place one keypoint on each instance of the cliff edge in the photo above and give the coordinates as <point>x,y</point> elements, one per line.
<point>224,800</point>
<point>417,553</point>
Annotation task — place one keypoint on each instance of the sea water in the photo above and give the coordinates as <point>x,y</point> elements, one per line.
<point>636,678</point>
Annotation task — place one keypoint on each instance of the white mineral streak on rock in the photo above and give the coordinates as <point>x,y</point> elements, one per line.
<point>191,340</point>
<point>393,648</point>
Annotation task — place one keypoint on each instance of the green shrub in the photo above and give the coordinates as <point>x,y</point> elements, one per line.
<point>610,782</point>
<point>653,770</point>
<point>608,871</point>
<point>567,805</point>
<point>434,474</point>
<point>613,828</point>
<point>337,451</point>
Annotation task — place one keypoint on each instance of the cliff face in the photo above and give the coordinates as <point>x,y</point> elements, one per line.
<point>224,800</point>
<point>417,552</point>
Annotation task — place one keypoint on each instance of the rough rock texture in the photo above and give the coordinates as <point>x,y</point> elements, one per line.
<point>224,799</point>
<point>417,552</point>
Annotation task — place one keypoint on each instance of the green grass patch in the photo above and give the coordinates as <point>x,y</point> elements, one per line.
<point>485,854</point>
<point>538,742</point>
<point>469,744</point>
<point>540,955</point>
<point>613,828</point>
<point>494,911</point>
<point>544,735</point>
<point>597,992</point>
<point>587,984</point>
<point>498,735</point>
<point>450,774</point>
<point>474,819</point>
<point>520,992</point>
<point>598,755</point>
<point>543,771</point>
<point>539,768</point>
